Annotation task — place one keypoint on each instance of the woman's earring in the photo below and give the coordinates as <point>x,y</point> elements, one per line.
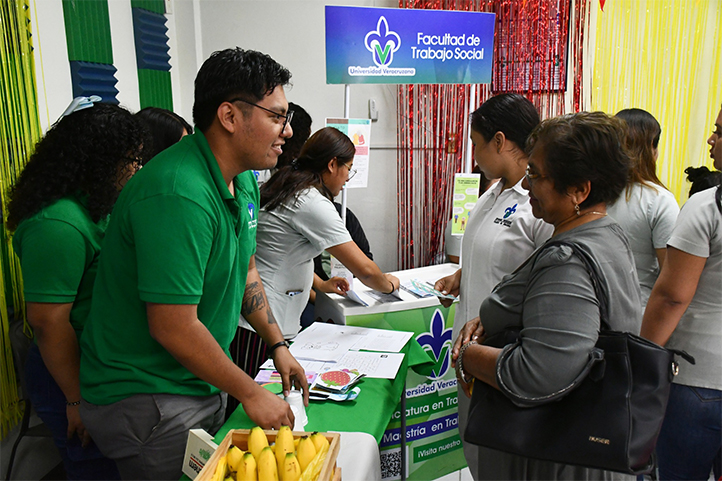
<point>576,209</point>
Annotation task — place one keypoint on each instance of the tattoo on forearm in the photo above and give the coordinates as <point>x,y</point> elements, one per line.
<point>252,299</point>
<point>271,319</point>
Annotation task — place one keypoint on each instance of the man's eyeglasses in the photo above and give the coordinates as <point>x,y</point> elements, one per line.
<point>531,176</point>
<point>351,172</point>
<point>286,118</point>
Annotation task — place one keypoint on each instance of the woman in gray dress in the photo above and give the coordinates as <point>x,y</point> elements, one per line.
<point>577,165</point>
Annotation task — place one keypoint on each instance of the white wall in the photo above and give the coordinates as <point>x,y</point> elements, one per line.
<point>293,33</point>
<point>290,31</point>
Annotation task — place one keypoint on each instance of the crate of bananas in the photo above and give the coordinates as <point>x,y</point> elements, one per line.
<point>283,455</point>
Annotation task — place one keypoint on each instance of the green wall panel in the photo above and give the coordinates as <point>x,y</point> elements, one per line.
<point>157,6</point>
<point>87,28</point>
<point>155,88</point>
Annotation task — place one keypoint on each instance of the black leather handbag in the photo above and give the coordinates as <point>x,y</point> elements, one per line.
<point>608,418</point>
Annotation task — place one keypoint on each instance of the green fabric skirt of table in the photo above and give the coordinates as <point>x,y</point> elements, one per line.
<point>370,412</point>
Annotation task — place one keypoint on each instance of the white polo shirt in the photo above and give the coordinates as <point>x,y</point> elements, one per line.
<point>288,239</point>
<point>699,232</point>
<point>647,218</point>
<point>500,235</point>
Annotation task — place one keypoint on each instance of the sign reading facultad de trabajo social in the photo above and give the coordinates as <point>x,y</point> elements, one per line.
<point>408,46</point>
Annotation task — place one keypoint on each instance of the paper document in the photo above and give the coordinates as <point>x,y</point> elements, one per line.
<point>408,286</point>
<point>306,364</point>
<point>381,297</point>
<point>325,342</point>
<point>426,286</point>
<point>351,294</point>
<point>379,365</point>
<point>382,340</point>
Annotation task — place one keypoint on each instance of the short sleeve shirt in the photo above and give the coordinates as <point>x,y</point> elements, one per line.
<point>699,232</point>
<point>58,248</point>
<point>502,232</point>
<point>177,236</point>
<point>647,218</point>
<point>289,237</point>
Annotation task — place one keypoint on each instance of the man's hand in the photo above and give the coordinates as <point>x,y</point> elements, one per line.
<point>76,426</point>
<point>268,410</point>
<point>292,374</point>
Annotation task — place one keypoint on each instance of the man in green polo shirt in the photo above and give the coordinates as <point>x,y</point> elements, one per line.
<point>177,255</point>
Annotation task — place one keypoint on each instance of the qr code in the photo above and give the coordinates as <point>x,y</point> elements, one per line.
<point>391,464</point>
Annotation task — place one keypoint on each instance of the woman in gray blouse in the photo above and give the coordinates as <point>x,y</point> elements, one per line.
<point>577,166</point>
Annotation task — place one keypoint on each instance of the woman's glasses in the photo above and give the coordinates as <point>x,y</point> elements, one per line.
<point>532,176</point>
<point>351,172</point>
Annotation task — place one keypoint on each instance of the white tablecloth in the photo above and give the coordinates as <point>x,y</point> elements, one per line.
<point>358,457</point>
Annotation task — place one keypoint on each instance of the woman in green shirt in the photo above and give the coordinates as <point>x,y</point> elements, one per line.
<point>59,209</point>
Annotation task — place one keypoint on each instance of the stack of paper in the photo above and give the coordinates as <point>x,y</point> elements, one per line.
<point>372,352</point>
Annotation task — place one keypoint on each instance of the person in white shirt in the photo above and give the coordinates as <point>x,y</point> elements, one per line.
<point>296,223</point>
<point>646,210</point>
<point>685,312</point>
<point>502,232</point>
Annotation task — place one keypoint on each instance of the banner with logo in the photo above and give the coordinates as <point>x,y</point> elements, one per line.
<point>408,46</point>
<point>433,445</point>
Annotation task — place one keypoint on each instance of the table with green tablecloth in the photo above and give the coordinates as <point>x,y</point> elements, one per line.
<point>370,412</point>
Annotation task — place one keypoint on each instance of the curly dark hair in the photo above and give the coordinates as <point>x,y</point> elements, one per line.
<point>702,178</point>
<point>86,152</point>
<point>234,72</point>
<point>584,146</point>
<point>307,170</point>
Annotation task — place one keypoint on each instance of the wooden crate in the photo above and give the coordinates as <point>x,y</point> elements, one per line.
<point>239,438</point>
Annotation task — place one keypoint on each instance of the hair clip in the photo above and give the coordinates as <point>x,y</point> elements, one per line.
<point>80,103</point>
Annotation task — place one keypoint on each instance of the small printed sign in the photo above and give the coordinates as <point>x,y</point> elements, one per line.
<point>466,193</point>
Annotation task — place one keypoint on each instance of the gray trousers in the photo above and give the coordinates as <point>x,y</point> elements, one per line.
<point>146,434</point>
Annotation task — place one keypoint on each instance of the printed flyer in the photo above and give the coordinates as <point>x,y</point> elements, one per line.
<point>466,193</point>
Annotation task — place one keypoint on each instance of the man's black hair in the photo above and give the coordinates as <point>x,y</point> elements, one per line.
<point>234,72</point>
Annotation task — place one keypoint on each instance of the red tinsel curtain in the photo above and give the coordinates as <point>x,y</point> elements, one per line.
<point>537,52</point>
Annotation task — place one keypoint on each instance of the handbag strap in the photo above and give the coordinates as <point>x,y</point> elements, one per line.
<point>595,277</point>
<point>601,292</point>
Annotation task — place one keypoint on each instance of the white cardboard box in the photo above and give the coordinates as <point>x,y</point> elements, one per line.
<point>199,449</point>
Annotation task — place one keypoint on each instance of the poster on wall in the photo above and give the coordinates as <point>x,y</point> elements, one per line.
<point>466,193</point>
<point>408,46</point>
<point>359,131</point>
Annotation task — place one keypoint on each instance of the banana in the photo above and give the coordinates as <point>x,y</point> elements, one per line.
<point>284,445</point>
<point>257,440</point>
<point>233,458</point>
<point>306,452</point>
<point>313,470</point>
<point>247,471</point>
<point>220,473</point>
<point>291,468</point>
<point>319,440</point>
<point>267,469</point>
